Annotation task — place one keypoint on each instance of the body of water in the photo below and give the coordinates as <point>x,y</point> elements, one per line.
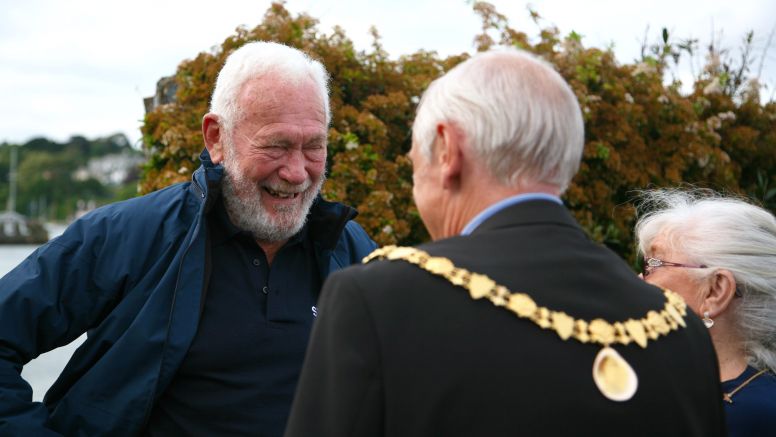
<point>44,370</point>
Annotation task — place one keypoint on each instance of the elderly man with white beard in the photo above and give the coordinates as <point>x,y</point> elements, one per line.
<point>199,298</point>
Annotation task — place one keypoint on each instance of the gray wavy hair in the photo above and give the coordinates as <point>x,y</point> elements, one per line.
<point>722,232</point>
<point>519,116</point>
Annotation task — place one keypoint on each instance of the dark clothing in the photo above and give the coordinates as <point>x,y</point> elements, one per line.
<point>397,351</point>
<point>131,274</point>
<point>753,411</point>
<point>243,364</point>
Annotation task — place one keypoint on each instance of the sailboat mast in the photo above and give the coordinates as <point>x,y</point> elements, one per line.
<point>12,176</point>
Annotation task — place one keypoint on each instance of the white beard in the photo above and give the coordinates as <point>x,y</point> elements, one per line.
<point>242,199</point>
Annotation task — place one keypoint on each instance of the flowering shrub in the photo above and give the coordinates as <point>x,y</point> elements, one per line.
<point>639,131</point>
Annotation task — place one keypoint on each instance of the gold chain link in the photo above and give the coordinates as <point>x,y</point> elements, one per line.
<point>650,327</point>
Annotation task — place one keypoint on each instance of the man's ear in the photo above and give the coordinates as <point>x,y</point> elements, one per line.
<point>448,154</point>
<point>721,291</point>
<point>213,135</point>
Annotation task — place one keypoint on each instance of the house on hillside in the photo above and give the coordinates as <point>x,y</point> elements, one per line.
<point>112,169</point>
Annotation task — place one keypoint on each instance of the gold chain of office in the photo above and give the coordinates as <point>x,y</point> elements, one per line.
<point>650,327</point>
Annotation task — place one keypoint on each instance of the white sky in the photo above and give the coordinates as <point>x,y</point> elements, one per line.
<point>82,67</point>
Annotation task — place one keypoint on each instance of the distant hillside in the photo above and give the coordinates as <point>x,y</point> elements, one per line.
<point>58,180</point>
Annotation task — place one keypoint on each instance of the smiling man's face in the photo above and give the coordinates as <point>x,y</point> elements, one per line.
<point>275,160</point>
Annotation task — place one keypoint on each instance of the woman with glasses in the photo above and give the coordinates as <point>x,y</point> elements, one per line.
<point>719,254</point>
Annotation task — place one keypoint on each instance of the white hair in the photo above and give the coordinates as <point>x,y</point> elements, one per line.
<point>722,233</point>
<point>259,59</point>
<point>519,116</point>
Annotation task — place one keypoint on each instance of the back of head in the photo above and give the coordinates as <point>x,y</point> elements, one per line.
<point>257,60</point>
<point>722,233</point>
<point>520,118</point>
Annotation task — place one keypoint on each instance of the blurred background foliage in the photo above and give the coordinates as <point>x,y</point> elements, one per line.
<point>60,180</point>
<point>642,130</point>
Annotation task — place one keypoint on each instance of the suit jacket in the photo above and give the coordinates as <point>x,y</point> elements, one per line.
<point>397,351</point>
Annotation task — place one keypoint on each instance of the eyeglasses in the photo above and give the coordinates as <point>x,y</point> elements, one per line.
<point>651,264</point>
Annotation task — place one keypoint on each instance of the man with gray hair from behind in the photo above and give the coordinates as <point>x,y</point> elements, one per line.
<point>198,299</point>
<point>719,254</point>
<point>512,321</point>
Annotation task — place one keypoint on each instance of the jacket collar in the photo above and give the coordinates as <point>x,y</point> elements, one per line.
<point>206,181</point>
<point>327,220</point>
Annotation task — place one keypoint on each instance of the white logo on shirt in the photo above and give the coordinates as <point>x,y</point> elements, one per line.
<point>315,312</point>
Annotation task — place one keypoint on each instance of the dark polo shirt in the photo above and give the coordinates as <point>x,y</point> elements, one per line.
<point>240,373</point>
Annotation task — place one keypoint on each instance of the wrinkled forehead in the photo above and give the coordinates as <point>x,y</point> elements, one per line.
<point>275,89</point>
<point>261,100</point>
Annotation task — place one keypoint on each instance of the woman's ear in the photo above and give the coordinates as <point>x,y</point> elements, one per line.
<point>721,292</point>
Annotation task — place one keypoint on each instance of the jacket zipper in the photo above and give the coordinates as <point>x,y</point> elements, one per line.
<point>194,234</point>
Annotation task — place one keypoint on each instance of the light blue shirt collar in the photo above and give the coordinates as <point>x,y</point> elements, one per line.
<point>503,204</point>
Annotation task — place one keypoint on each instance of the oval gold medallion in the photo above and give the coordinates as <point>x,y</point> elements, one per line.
<point>613,376</point>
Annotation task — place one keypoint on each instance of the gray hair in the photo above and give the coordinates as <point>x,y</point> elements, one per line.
<point>723,232</point>
<point>519,116</point>
<point>258,59</point>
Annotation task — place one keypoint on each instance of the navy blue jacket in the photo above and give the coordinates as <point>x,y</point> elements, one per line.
<point>131,275</point>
